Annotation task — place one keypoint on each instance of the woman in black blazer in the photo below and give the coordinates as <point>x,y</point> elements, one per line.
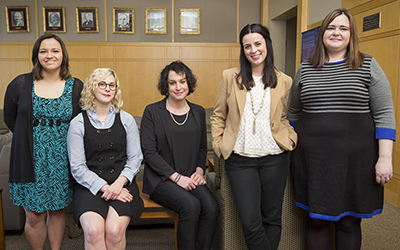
<point>174,145</point>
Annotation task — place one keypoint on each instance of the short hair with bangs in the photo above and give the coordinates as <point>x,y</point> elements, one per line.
<point>92,82</point>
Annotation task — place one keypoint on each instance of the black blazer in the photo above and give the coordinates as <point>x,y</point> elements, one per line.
<point>156,143</point>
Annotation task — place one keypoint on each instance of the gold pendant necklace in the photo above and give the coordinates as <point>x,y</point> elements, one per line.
<point>252,109</point>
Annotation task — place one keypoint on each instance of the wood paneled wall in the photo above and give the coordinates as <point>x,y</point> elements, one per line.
<point>138,66</point>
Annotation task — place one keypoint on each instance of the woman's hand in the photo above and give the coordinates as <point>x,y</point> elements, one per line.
<point>125,196</point>
<point>187,183</point>
<point>114,190</point>
<point>291,142</point>
<point>384,167</point>
<point>198,177</point>
<point>383,170</point>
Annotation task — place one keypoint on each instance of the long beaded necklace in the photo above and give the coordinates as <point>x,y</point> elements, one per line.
<point>172,116</point>
<point>252,108</point>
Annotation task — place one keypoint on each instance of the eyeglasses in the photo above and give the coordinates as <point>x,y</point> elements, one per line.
<point>103,85</point>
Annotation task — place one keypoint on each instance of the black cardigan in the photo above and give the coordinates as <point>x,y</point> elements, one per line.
<point>18,117</point>
<point>156,144</point>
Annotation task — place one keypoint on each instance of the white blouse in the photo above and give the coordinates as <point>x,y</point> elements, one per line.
<point>256,141</point>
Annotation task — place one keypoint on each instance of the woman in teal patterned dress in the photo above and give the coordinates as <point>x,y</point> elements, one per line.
<point>38,107</point>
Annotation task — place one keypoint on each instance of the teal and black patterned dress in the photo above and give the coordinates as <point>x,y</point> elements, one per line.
<point>50,191</point>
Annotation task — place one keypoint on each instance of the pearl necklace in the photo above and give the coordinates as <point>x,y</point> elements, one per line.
<point>172,116</point>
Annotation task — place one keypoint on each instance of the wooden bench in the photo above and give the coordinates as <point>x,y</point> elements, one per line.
<point>155,210</point>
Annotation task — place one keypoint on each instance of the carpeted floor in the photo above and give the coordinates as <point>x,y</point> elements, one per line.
<point>382,232</point>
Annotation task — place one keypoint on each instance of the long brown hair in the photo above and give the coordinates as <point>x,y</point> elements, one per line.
<point>353,55</point>
<point>37,67</point>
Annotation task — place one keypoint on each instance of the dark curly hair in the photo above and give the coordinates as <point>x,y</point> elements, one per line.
<point>181,69</point>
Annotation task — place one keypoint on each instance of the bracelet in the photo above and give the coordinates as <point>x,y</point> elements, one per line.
<point>178,176</point>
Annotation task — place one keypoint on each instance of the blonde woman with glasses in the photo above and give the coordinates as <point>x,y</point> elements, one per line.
<point>104,153</point>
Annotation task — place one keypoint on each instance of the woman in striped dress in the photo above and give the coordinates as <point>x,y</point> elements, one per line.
<point>343,113</point>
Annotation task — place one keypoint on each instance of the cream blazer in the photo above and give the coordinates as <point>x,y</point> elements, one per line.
<point>228,110</point>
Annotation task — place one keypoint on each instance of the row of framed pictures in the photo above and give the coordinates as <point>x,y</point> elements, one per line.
<point>87,20</point>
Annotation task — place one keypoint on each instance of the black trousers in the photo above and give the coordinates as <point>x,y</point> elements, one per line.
<point>258,185</point>
<point>198,213</point>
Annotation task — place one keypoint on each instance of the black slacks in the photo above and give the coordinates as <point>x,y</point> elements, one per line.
<point>258,185</point>
<point>198,213</point>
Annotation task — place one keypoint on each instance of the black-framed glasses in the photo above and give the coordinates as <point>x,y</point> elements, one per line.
<point>111,86</point>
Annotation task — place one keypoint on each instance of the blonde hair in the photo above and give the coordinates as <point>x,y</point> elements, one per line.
<point>87,95</point>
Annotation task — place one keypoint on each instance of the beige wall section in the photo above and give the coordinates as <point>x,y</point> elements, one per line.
<point>30,36</point>
<point>218,20</point>
<point>279,12</point>
<point>319,9</point>
<point>138,66</point>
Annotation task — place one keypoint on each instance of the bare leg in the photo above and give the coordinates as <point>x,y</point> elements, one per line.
<point>56,228</point>
<point>93,227</point>
<point>35,229</point>
<point>116,229</point>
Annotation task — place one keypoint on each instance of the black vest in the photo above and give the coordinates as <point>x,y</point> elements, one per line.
<point>105,149</point>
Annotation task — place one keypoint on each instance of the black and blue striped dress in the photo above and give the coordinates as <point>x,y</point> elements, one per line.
<point>51,190</point>
<point>339,114</point>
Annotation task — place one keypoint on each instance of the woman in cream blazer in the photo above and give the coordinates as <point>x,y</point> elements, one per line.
<point>250,131</point>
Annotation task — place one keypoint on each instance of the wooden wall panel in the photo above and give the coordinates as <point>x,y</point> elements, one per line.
<point>138,66</point>
<point>207,81</point>
<point>80,51</point>
<point>140,52</point>
<point>82,69</point>
<point>389,19</point>
<point>173,53</point>
<point>348,4</point>
<point>107,52</point>
<point>16,52</point>
<point>205,53</point>
<point>139,84</point>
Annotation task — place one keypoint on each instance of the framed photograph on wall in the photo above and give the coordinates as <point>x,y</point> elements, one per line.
<point>123,21</point>
<point>87,20</point>
<point>54,20</point>
<point>156,21</point>
<point>189,21</point>
<point>17,19</point>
